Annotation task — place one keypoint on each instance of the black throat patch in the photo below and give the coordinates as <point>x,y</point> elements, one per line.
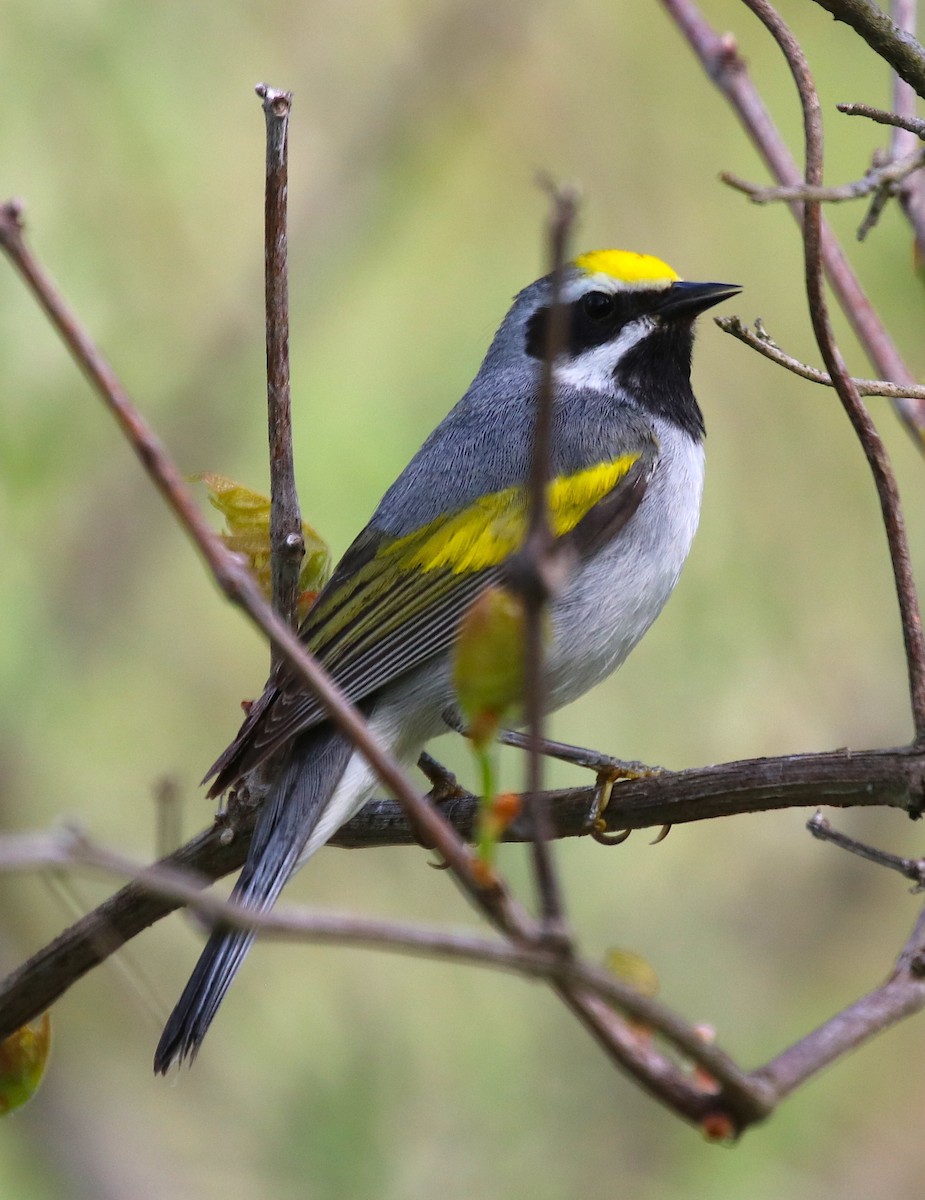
<point>655,372</point>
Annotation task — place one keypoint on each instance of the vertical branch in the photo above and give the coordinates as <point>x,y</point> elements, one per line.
<point>287,545</point>
<point>903,142</point>
<point>540,564</point>
<point>868,436</point>
<point>912,188</point>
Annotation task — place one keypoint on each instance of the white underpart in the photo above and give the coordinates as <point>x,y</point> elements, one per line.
<point>593,370</point>
<point>612,600</point>
<point>608,605</point>
<point>411,716</point>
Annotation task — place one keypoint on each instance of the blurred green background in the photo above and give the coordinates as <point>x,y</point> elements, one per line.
<point>132,132</point>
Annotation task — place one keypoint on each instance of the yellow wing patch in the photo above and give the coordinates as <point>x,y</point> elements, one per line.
<point>488,531</point>
<point>627,267</point>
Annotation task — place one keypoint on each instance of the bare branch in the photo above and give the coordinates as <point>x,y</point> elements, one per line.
<point>901,996</point>
<point>900,49</point>
<point>538,576</point>
<point>759,339</point>
<point>881,182</point>
<point>578,982</point>
<point>877,178</point>
<point>287,543</point>
<point>900,121</point>
<point>912,192</point>
<point>909,868</point>
<point>894,778</point>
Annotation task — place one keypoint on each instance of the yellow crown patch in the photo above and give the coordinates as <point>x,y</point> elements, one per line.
<point>627,267</point>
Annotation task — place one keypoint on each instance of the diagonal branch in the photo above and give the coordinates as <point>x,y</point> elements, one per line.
<point>901,996</point>
<point>580,983</point>
<point>759,339</point>
<point>900,49</point>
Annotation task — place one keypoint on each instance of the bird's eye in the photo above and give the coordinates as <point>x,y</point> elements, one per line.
<point>598,305</point>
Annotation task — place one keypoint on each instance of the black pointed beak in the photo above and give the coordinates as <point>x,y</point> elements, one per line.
<point>688,300</point>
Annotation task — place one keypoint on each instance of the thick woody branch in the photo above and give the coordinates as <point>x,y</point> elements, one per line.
<point>900,49</point>
<point>843,779</point>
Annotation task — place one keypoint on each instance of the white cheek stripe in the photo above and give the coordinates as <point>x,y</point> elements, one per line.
<point>594,368</point>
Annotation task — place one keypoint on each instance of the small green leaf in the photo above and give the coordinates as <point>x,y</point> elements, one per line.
<point>488,662</point>
<point>632,968</point>
<point>247,532</point>
<point>23,1056</point>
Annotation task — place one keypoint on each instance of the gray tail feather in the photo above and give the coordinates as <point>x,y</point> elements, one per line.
<point>289,814</point>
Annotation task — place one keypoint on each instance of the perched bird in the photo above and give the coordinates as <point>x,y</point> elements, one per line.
<point>626,474</point>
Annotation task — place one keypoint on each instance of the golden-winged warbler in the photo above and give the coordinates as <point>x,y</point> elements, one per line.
<point>626,467</point>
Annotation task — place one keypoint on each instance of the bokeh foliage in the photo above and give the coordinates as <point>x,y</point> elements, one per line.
<point>132,132</point>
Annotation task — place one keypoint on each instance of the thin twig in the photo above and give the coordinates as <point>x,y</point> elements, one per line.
<point>882,183</point>
<point>882,116</point>
<point>723,64</point>
<point>909,868</point>
<point>759,339</point>
<point>287,543</point>
<point>536,578</point>
<point>889,175</point>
